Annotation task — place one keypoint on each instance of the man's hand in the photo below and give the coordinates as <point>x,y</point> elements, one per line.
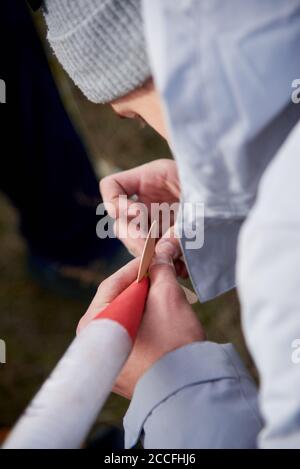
<point>108,290</point>
<point>155,182</point>
<point>168,323</point>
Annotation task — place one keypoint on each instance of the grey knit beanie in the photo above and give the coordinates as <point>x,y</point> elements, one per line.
<point>101,45</point>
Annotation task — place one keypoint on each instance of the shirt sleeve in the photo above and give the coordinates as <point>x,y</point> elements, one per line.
<point>212,268</point>
<point>198,396</point>
<point>226,96</point>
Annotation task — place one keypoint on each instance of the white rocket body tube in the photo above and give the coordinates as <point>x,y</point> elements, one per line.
<point>65,408</point>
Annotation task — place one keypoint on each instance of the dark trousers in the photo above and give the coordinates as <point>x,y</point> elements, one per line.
<point>44,168</point>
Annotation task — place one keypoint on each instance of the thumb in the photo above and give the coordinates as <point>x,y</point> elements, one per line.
<point>162,269</point>
<point>169,244</point>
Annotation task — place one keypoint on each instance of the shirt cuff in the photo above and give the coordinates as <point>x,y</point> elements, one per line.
<point>193,364</point>
<point>212,268</point>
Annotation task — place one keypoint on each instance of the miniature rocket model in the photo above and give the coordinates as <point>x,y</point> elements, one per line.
<point>64,410</point>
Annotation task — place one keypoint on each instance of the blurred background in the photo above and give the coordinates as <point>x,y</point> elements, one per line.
<point>37,324</point>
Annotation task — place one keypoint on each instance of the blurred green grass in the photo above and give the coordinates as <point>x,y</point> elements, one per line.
<point>38,326</point>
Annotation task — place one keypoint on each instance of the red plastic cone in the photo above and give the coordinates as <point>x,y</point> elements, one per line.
<point>69,396</point>
<point>127,309</point>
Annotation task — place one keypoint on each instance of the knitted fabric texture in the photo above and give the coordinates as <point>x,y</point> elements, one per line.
<point>100,44</point>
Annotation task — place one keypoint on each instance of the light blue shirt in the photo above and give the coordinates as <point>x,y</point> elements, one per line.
<point>224,70</point>
<point>199,396</point>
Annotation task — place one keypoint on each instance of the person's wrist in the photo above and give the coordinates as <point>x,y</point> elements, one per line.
<point>162,357</point>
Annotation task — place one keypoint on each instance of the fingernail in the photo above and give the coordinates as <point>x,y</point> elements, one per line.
<point>168,248</point>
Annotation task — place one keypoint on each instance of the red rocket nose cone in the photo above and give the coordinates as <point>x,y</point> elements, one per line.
<point>127,309</point>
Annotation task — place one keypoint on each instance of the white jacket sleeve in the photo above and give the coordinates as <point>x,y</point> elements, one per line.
<point>269,285</point>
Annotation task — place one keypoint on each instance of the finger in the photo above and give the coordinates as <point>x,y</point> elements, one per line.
<point>116,283</point>
<point>169,245</point>
<point>115,185</point>
<point>130,237</point>
<point>109,290</point>
<point>162,269</point>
